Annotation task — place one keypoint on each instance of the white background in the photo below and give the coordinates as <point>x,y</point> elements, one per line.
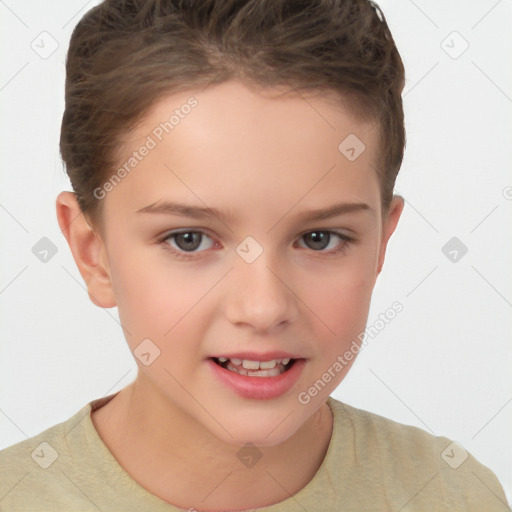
<point>443,364</point>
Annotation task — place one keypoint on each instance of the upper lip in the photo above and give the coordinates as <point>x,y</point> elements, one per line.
<point>262,356</point>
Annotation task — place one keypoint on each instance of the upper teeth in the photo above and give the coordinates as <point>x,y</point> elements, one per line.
<point>255,365</point>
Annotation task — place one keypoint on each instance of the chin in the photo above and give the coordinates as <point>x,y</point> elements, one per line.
<point>262,432</point>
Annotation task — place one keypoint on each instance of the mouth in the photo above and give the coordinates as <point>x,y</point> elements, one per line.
<point>251,368</point>
<point>256,376</point>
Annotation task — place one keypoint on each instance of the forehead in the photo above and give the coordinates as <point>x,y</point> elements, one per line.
<point>278,117</point>
<point>232,143</point>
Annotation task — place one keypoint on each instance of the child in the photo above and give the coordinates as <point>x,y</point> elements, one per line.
<point>270,133</point>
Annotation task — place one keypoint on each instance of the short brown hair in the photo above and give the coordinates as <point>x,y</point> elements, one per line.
<point>124,55</point>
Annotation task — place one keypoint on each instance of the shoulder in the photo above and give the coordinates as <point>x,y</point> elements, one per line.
<point>39,473</point>
<point>409,462</point>
<point>40,450</point>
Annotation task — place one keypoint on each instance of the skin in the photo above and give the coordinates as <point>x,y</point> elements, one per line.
<point>265,158</point>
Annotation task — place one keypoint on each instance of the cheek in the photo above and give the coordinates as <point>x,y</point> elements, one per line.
<point>341,300</point>
<point>160,302</point>
<point>148,295</point>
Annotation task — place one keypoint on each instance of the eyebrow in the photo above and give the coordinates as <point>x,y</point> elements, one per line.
<point>198,212</point>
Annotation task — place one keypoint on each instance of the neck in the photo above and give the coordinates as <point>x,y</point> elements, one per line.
<point>167,452</point>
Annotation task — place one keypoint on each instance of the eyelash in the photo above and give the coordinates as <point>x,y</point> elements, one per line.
<point>346,240</point>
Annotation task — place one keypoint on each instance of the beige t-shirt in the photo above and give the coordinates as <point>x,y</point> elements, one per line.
<point>372,464</point>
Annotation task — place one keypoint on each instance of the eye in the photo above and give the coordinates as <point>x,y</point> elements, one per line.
<point>186,243</point>
<point>319,240</point>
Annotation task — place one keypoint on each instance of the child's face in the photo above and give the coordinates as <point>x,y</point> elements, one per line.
<point>265,163</point>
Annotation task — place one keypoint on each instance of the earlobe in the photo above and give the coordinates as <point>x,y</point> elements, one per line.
<point>395,211</point>
<point>87,248</point>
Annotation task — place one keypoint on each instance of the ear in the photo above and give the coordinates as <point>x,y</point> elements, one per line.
<point>88,250</point>
<point>395,211</point>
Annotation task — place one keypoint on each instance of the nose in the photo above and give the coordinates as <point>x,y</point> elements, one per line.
<point>260,294</point>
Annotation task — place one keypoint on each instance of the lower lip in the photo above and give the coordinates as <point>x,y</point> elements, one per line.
<point>262,388</point>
